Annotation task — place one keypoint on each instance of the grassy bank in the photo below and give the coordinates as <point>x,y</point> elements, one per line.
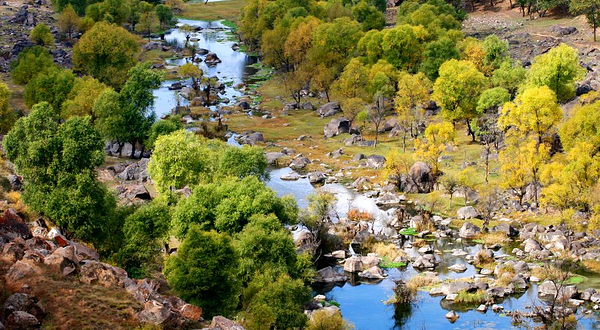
<point>227,10</point>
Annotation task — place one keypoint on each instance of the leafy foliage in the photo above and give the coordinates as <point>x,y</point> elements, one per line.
<point>7,115</point>
<point>53,87</point>
<point>30,62</point>
<point>41,35</point>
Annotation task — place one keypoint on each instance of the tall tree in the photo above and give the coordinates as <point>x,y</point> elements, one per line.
<point>7,115</point>
<point>68,21</point>
<point>106,52</point>
<point>457,91</point>
<point>411,98</point>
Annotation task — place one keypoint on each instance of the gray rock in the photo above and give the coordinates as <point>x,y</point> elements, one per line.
<point>551,289</point>
<point>329,109</point>
<point>482,308</point>
<point>136,171</point>
<point>353,265</point>
<point>469,230</point>
<point>376,161</point>
<point>336,126</point>
<point>299,163</point>
<point>21,320</point>
<point>531,245</point>
<point>372,273</point>
<point>359,157</point>
<point>427,261</point>
<point>316,177</point>
<point>467,212</point>
<point>127,150</point>
<point>452,316</point>
<point>458,268</point>
<point>292,176</point>
<point>587,294</point>
<point>507,229</point>
<point>16,183</point>
<point>274,157</point>
<point>419,179</point>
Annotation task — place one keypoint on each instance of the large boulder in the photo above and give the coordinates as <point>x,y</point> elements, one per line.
<point>136,171</point>
<point>469,230</point>
<point>531,245</point>
<point>316,177</point>
<point>220,322</point>
<point>20,320</point>
<point>274,157</point>
<point>329,109</point>
<point>353,265</point>
<point>329,275</point>
<point>336,126</point>
<point>24,303</point>
<point>191,312</point>
<point>20,270</point>
<point>155,313</point>
<point>63,260</point>
<point>467,212</point>
<point>427,261</point>
<point>372,273</point>
<point>12,225</point>
<point>95,272</point>
<point>419,179</point>
<point>550,289</point>
<point>212,59</point>
<point>299,163</point>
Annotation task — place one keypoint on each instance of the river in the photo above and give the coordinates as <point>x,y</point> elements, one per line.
<point>361,303</point>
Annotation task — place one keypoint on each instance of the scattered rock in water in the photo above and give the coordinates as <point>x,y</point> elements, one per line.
<point>329,275</point>
<point>550,289</point>
<point>212,59</point>
<point>458,268</point>
<point>372,273</point>
<point>316,177</point>
<point>427,261</point>
<point>452,316</point>
<point>292,176</point>
<point>274,157</point>
<point>482,308</point>
<point>299,163</point>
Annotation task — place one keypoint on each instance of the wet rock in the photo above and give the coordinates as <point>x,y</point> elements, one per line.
<point>292,176</point>
<point>353,265</point>
<point>482,308</point>
<point>456,287</point>
<point>212,59</point>
<point>219,322</point>
<point>452,316</point>
<point>497,308</point>
<point>427,261</point>
<point>469,230</point>
<point>467,212</point>
<point>595,298</point>
<point>551,289</point>
<point>299,163</point>
<point>376,161</point>
<point>329,275</point>
<point>316,177</point>
<point>458,268</point>
<point>336,126</point>
<point>329,109</point>
<point>372,273</point>
<point>587,294</point>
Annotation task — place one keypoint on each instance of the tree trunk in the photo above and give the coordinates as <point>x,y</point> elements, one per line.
<point>327,95</point>
<point>404,142</point>
<point>470,131</point>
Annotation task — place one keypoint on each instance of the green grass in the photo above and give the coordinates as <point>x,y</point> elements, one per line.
<point>464,297</point>
<point>408,231</point>
<point>577,279</point>
<point>228,10</point>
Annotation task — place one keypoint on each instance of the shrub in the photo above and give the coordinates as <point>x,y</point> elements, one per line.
<point>464,297</point>
<point>325,320</point>
<point>41,35</point>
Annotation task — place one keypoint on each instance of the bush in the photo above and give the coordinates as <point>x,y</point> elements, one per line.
<point>163,127</point>
<point>464,297</point>
<point>53,87</point>
<point>30,62</point>
<point>204,272</point>
<point>324,320</point>
<point>41,35</point>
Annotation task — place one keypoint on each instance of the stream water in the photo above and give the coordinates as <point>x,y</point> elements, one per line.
<point>361,302</point>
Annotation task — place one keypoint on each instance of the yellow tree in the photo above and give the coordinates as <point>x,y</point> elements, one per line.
<point>397,164</point>
<point>436,137</point>
<point>193,72</point>
<point>299,40</point>
<point>82,98</point>
<point>7,116</point>
<point>68,21</point>
<point>535,111</point>
<point>411,97</point>
<point>467,180</point>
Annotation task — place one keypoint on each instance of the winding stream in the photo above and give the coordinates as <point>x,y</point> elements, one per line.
<point>362,303</point>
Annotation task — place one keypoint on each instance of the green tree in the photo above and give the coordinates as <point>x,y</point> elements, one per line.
<point>204,272</point>
<point>30,62</point>
<point>7,115</point>
<point>334,43</point>
<point>457,91</point>
<point>82,97</point>
<point>369,46</point>
<point>491,99</point>
<point>495,51</point>
<point>401,47</point>
<point>58,162</point>
<point>68,21</point>
<point>163,127</point>
<point>111,11</point>
<point>274,300</point>
<point>106,52</point>
<point>510,76</point>
<point>582,126</point>
<point>148,23</point>
<point>353,82</point>
<point>533,112</point>
<point>78,5</point>
<point>589,8</point>
<point>144,232</point>
<point>53,87</point>
<point>165,16</point>
<point>558,69</point>
<point>436,53</point>
<point>41,35</point>
<point>228,205</point>
<point>369,16</point>
<point>265,244</point>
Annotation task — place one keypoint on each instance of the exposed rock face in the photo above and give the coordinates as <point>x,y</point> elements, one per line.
<point>20,270</point>
<point>329,109</point>
<point>469,230</point>
<point>336,126</point>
